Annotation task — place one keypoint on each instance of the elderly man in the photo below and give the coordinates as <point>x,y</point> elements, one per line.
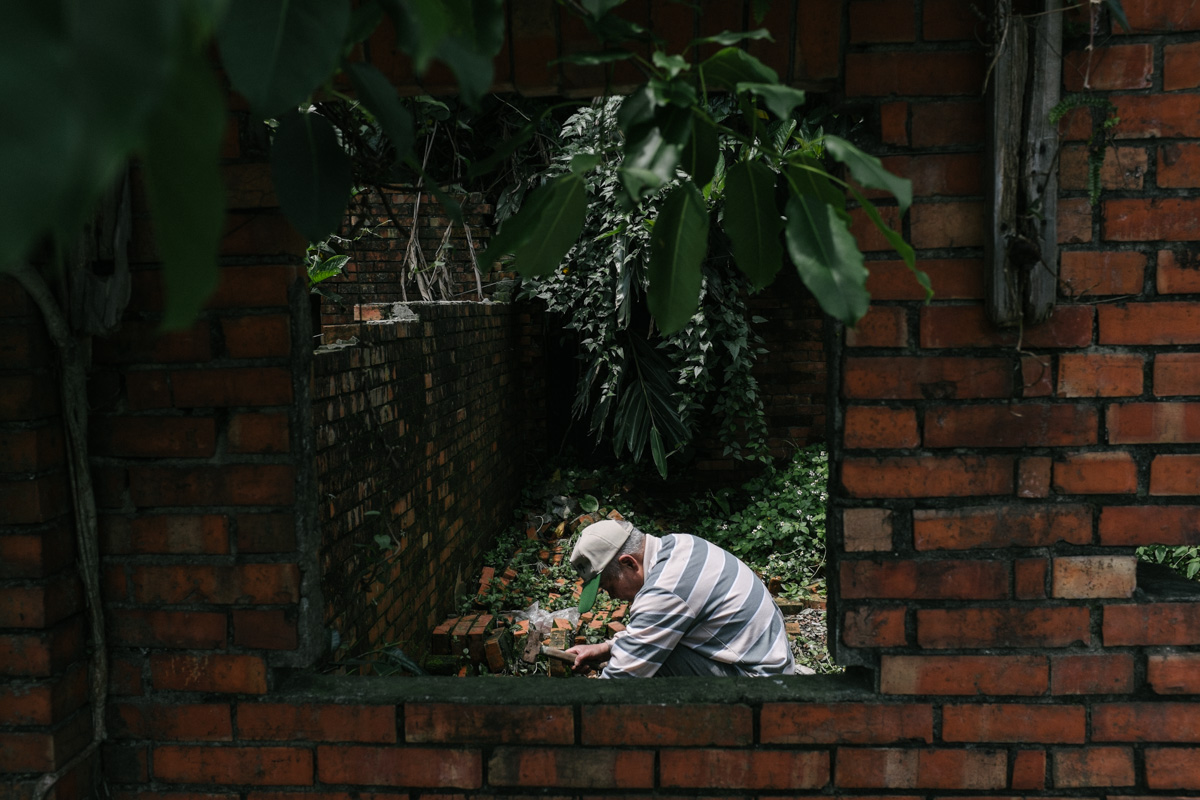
<point>696,610</point>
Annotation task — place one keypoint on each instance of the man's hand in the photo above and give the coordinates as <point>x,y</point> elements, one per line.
<point>587,653</point>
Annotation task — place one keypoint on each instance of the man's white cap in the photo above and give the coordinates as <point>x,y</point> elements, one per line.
<point>596,547</point>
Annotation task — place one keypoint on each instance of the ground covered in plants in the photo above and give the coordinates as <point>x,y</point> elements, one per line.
<point>526,596</point>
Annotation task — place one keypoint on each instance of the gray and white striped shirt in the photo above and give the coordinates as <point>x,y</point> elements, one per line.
<point>700,596</point>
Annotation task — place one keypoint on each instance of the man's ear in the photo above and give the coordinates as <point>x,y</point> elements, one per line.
<point>628,562</point>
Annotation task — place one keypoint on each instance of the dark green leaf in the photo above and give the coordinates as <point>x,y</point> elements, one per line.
<point>363,22</point>
<point>589,503</point>
<point>542,232</point>
<point>379,96</point>
<point>582,163</point>
<point>671,64</point>
<point>276,52</point>
<point>657,451</point>
<point>651,162</point>
<point>636,113</point>
<point>780,100</point>
<point>594,59</point>
<point>472,68</point>
<point>728,38</point>
<point>677,246</point>
<point>827,258</point>
<point>903,248</point>
<point>700,154</point>
<point>868,171</point>
<point>598,8</point>
<point>761,7</point>
<point>421,25</point>
<point>730,66</point>
<point>1118,13</point>
<point>184,187</point>
<point>311,173</point>
<point>752,221</point>
<point>808,177</point>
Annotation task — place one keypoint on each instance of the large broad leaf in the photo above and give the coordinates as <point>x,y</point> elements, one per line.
<point>903,248</point>
<point>807,176</point>
<point>677,247</point>
<point>542,232</point>
<point>827,258</point>
<point>780,100</point>
<point>700,154</point>
<point>731,37</point>
<point>752,221</point>
<point>311,172</point>
<point>651,161</point>
<point>184,187</point>
<point>868,170</point>
<point>421,25</point>
<point>730,66</point>
<point>472,68</point>
<point>277,52</point>
<point>379,96</point>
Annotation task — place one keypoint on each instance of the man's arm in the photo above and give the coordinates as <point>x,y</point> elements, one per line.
<point>585,654</point>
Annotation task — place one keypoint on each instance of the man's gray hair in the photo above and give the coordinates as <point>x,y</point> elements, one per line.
<point>633,545</point>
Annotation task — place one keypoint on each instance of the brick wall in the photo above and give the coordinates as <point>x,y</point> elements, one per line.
<point>987,498</point>
<point>425,431</point>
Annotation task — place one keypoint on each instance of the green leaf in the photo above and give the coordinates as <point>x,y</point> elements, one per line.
<point>1118,13</point>
<point>598,8</point>
<point>582,163</point>
<point>652,160</point>
<point>363,22</point>
<point>869,172</point>
<point>276,52</point>
<point>542,232</point>
<point>421,25</point>
<point>827,258</point>
<point>730,66</point>
<point>903,248</point>
<point>677,246</point>
<point>658,452</point>
<point>671,64</point>
<point>184,187</point>
<point>728,38</point>
<point>780,100</point>
<point>379,96</point>
<point>311,173</point>
<point>701,152</point>
<point>807,176</point>
<point>753,222</point>
<point>761,7</point>
<point>594,59</point>
<point>472,68</point>
<point>589,503</point>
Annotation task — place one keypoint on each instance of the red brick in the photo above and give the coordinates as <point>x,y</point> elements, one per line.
<point>866,529</point>
<point>266,533</point>
<point>893,123</point>
<point>883,326</point>
<point>924,580</point>
<point>882,21</point>
<point>1151,624</point>
<point>1154,722</point>
<point>964,675</point>
<point>248,186</point>
<point>232,484</point>
<point>32,449</point>
<point>876,427</point>
<point>147,389</point>
<point>1011,722</point>
<point>874,627</point>
<point>1110,673</point>
<point>1181,66</point>
<point>968,326</point>
<point>45,702</point>
<point>576,767</point>
<point>1085,274</point>
<point>1179,165</point>
<point>259,433</point>
<point>1171,218</point>
<point>927,476</point>
<point>1092,766</point>
<point>42,605</point>
<point>924,73</point>
<point>260,766</point>
<point>1096,473</point>
<point>258,286</point>
<point>1169,323</point>
<point>1176,475</point>
<point>266,336</point>
<point>694,725</point>
<point>1176,374</point>
<point>187,721</point>
<point>27,397</point>
<point>912,378</point>
<point>1029,770</point>
<point>441,723</point>
<point>154,437</point>
<point>36,555</point>
<point>32,751</point>
<point>1013,425</point>
<point>1033,477</point>
<point>1173,673</point>
<point>1022,526</point>
<point>1074,220</point>
<point>1174,768</point>
<point>938,175</point>
<point>845,723</point>
<point>894,768</point>
<point>869,238</point>
<point>1081,577</point>
<point>320,722</point>
<point>1104,69</point>
<point>743,769</point>
<point>241,583</point>
<point>1142,525</point>
<point>43,653</point>
<point>956,224</point>
<point>1177,272</point>
<point>1161,15</point>
<point>144,342</point>
<point>949,19</point>
<point>1099,375</point>
<point>185,533</point>
<point>1029,578</point>
<point>947,123</point>
<point>1037,376</point>
<point>265,629</point>
<point>249,386</point>
<point>1154,423</point>
<point>1003,627</point>
<point>217,672</point>
<point>131,627</point>
<point>952,279</point>
<point>1158,116</point>
<point>28,502</point>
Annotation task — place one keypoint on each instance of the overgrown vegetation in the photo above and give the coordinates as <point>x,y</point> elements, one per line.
<point>1184,559</point>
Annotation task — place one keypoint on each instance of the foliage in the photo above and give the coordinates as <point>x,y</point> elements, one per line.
<point>1184,559</point>
<point>1104,118</point>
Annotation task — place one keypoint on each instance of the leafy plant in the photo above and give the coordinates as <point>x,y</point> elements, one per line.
<point>1184,559</point>
<point>1104,118</point>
